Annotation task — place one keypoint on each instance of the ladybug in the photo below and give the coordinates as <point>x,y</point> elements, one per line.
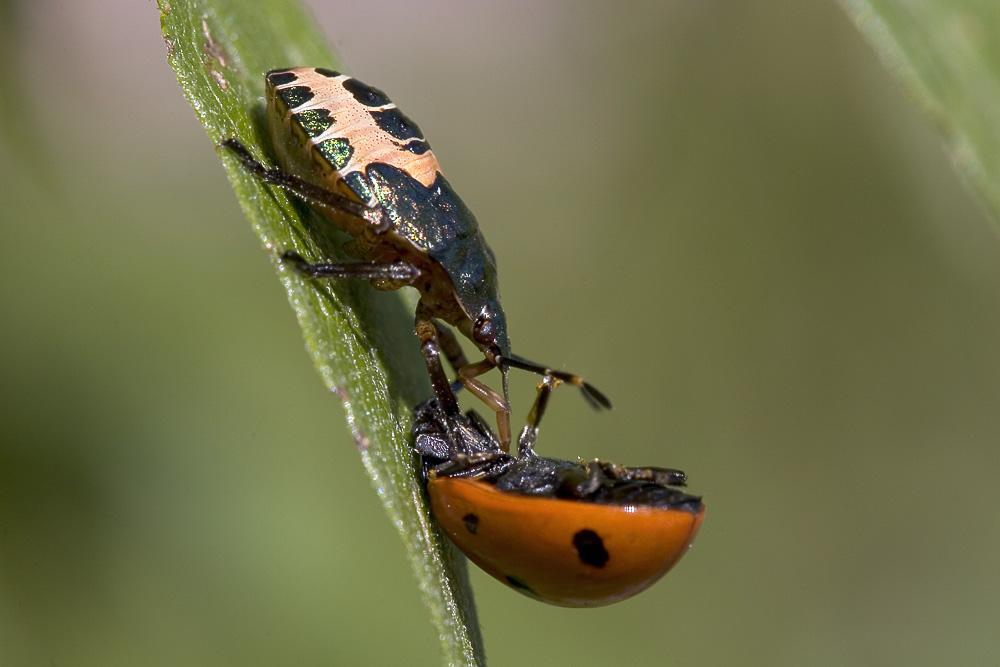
<point>347,151</point>
<point>572,534</point>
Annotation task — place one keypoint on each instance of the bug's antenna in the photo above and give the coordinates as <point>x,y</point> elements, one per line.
<point>590,392</point>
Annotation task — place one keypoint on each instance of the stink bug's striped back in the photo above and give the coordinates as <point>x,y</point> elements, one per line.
<point>331,127</point>
<point>346,150</point>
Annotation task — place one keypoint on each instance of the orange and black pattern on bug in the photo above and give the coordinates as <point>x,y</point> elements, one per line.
<point>346,150</point>
<point>348,124</point>
<point>346,137</point>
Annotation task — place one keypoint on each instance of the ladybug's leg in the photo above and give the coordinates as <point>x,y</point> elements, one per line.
<point>545,387</point>
<point>483,429</point>
<point>655,475</point>
<point>526,442</point>
<point>475,465</point>
<point>590,392</point>
<point>430,348</point>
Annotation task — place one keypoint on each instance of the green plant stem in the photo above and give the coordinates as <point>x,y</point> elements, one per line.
<point>947,53</point>
<point>361,341</point>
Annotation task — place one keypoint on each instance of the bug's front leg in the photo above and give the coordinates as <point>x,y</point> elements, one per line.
<point>450,346</point>
<point>467,373</point>
<point>431,350</point>
<point>467,376</point>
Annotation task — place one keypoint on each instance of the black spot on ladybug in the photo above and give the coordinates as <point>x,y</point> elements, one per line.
<point>365,94</point>
<point>314,121</point>
<point>590,548</point>
<point>514,582</point>
<point>471,522</point>
<point>395,123</point>
<point>329,73</point>
<point>337,151</point>
<point>280,77</point>
<point>296,96</point>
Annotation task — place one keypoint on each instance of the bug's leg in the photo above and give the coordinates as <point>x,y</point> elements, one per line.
<point>307,192</point>
<point>590,392</point>
<point>388,276</point>
<point>467,375</point>
<point>449,345</point>
<point>368,222</point>
<point>429,347</point>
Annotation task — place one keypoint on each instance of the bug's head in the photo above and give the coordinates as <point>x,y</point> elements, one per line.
<point>489,332</point>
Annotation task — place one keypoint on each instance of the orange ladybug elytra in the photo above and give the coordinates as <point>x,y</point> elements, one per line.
<point>573,534</point>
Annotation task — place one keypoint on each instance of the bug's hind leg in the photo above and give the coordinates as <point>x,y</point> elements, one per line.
<point>316,196</point>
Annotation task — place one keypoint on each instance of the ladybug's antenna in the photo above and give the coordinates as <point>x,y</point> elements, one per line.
<point>590,392</point>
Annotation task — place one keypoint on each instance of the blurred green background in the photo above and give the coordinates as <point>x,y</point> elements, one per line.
<point>728,217</point>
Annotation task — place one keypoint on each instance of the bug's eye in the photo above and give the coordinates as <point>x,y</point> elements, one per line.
<point>483,330</point>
